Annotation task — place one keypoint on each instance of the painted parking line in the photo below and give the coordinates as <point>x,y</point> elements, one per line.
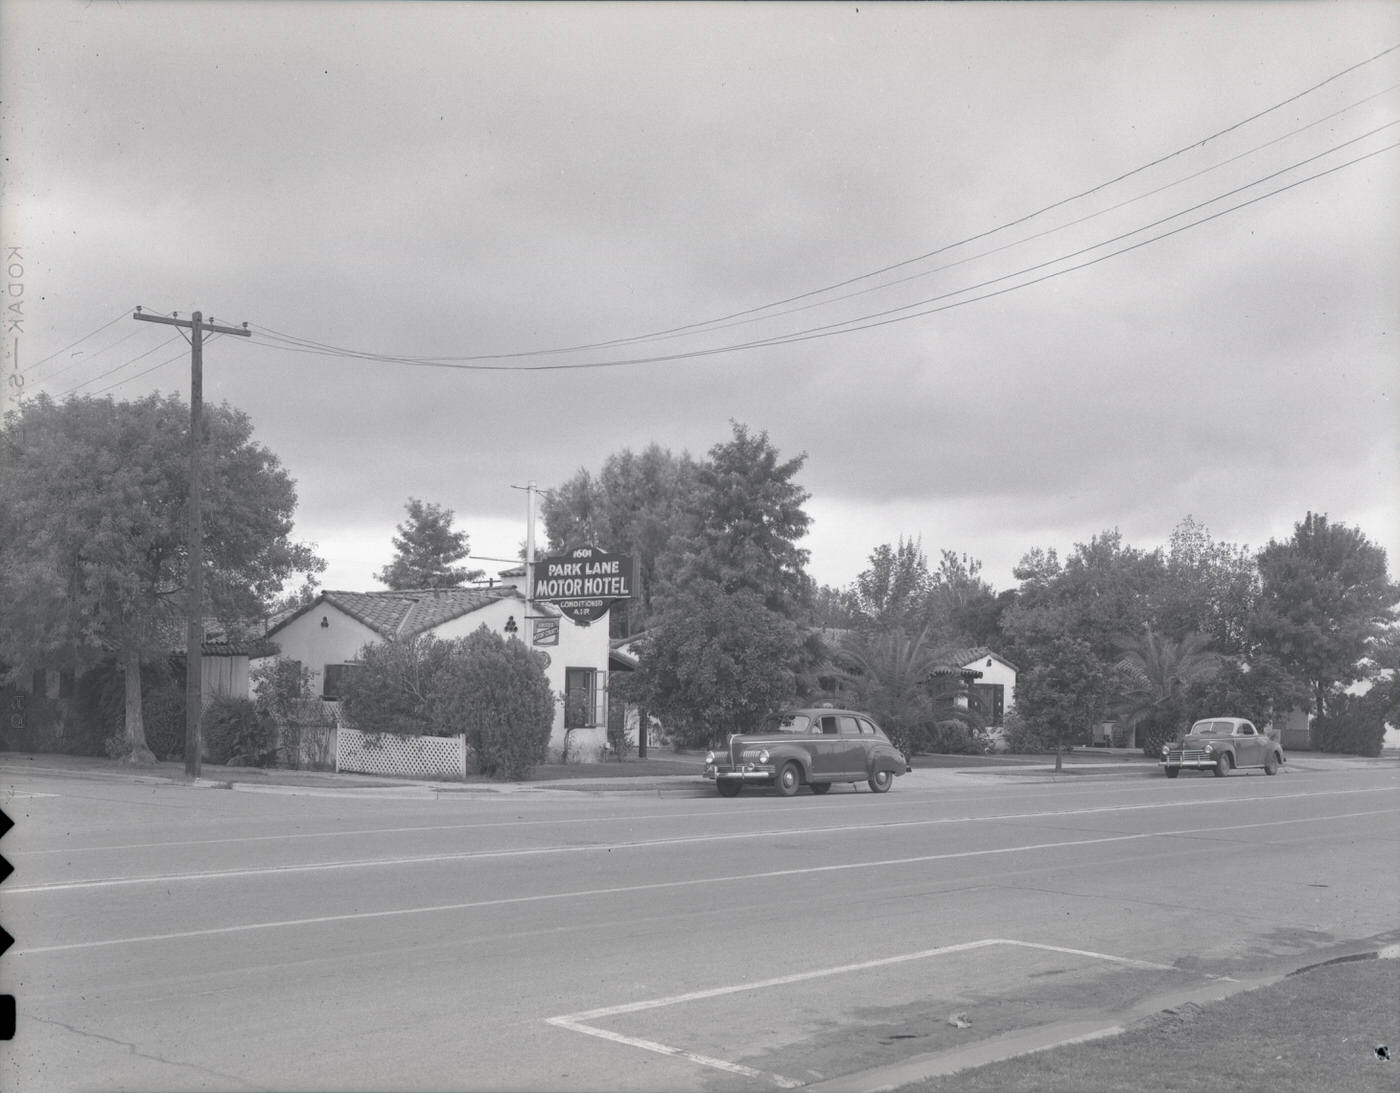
<point>581,1021</point>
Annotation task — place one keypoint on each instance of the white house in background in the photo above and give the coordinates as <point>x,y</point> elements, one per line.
<point>327,635</point>
<point>994,690</point>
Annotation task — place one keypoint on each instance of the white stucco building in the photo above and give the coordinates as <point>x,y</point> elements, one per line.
<point>327,635</point>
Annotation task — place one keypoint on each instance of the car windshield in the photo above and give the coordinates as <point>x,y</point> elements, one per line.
<point>1212,728</point>
<point>787,722</point>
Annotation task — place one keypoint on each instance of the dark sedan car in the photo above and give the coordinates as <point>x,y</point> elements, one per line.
<point>814,747</point>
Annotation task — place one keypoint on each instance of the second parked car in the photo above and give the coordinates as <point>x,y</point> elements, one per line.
<point>1221,744</point>
<point>816,747</point>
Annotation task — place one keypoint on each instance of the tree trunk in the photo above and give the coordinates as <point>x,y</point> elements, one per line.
<point>1059,757</point>
<point>137,749</point>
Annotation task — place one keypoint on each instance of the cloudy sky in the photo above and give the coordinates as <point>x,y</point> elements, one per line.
<point>1010,275</point>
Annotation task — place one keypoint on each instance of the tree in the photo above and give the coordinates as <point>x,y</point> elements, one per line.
<point>638,505</point>
<point>1258,688</point>
<point>963,608</point>
<point>891,681</point>
<point>1325,601</point>
<point>93,532</point>
<point>397,686</point>
<point>1154,679</point>
<point>748,516</point>
<point>1208,587</point>
<point>425,548</point>
<point>1064,694</point>
<point>894,591</point>
<point>1102,594</point>
<point>715,663</point>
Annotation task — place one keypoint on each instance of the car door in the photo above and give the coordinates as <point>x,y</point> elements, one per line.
<point>825,747</point>
<point>1248,752</point>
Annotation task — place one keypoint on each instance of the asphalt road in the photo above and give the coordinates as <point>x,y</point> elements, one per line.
<point>173,937</point>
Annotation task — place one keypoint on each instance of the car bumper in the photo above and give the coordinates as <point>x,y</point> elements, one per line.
<point>749,772</point>
<point>1190,761</point>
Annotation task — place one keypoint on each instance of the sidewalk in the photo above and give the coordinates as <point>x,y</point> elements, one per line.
<point>666,772</point>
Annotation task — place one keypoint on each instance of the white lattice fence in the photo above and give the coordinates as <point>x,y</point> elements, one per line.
<point>416,756</point>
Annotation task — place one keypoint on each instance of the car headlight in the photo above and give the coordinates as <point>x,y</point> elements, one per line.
<point>709,757</point>
<point>763,755</point>
<point>1166,748</point>
<point>1209,749</point>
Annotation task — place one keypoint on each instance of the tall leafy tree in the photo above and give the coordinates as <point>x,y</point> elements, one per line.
<point>748,516</point>
<point>1064,694</point>
<point>893,592</point>
<point>1325,601</point>
<point>1208,587</point>
<point>638,505</point>
<point>715,663</point>
<point>1105,592</point>
<point>93,531</point>
<point>963,608</point>
<point>426,548</point>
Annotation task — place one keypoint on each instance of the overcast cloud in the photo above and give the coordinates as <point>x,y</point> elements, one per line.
<point>461,180</point>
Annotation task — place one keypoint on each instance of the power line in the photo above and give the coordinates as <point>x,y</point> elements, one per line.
<point>121,315</point>
<point>736,318</point>
<point>118,368</point>
<point>892,315</point>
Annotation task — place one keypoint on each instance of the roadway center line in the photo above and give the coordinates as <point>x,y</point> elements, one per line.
<point>579,1022</point>
<point>586,893</point>
<point>638,844</point>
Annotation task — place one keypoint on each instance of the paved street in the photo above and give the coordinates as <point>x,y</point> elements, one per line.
<point>181,937</point>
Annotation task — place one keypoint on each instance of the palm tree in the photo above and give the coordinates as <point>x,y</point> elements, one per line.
<point>1155,674</point>
<point>892,672</point>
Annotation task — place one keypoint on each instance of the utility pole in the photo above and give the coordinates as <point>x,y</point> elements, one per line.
<point>194,549</point>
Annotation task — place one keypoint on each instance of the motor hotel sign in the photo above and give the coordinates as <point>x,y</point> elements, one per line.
<point>585,582</point>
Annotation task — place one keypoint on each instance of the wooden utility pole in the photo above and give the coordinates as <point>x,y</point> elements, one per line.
<point>194,549</point>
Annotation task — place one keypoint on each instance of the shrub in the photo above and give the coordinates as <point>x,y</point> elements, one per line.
<point>1355,724</point>
<point>398,687</point>
<point>956,737</point>
<point>1023,738</point>
<point>237,733</point>
<point>497,693</point>
<point>99,710</point>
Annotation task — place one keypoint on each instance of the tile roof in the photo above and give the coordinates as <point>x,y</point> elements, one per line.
<point>402,614</point>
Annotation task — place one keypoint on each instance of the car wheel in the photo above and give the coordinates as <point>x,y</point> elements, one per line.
<point>789,778</point>
<point>729,787</point>
<point>1223,764</point>
<point>1271,763</point>
<point>1172,772</point>
<point>880,781</point>
<point>820,787</point>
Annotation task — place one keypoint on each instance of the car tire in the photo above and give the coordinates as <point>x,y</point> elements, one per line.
<point>1271,763</point>
<point>881,781</point>
<point>1172,772</point>
<point>1223,765</point>
<point>788,779</point>
<point>729,787</point>
<point>820,787</point>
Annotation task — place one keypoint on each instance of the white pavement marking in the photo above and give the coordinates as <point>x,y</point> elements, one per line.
<point>319,920</point>
<point>578,1022</point>
<point>642,844</point>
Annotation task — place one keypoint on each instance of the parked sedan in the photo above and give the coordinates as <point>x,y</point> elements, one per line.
<point>1220,744</point>
<point>814,747</point>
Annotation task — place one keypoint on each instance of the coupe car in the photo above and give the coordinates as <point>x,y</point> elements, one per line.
<point>1220,745</point>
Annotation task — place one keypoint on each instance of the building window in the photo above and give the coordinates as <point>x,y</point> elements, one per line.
<point>333,680</point>
<point>580,698</point>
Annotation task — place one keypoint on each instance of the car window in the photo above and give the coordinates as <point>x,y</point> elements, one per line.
<point>793,722</point>
<point>1211,728</point>
<point>829,725</point>
<point>866,728</point>
<point>849,726</point>
<point>1246,729</point>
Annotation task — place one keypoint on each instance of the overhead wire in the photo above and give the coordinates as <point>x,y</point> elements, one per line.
<point>749,313</point>
<point>896,314</point>
<point>118,368</point>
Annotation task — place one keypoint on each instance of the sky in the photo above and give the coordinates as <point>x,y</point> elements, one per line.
<point>1009,275</point>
